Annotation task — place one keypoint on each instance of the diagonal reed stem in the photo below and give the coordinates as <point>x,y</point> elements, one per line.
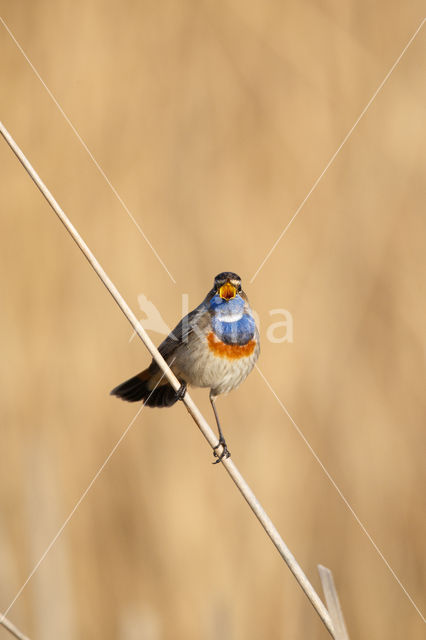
<point>192,408</point>
<point>7,624</point>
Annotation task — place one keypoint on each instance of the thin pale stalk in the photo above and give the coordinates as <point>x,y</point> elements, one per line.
<point>333,603</point>
<point>7,624</point>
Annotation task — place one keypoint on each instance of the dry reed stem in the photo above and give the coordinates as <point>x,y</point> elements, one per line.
<point>333,603</point>
<point>7,624</point>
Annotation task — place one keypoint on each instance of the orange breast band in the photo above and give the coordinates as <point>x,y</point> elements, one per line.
<point>231,351</point>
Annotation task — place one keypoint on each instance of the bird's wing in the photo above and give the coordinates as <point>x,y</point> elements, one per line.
<point>196,319</point>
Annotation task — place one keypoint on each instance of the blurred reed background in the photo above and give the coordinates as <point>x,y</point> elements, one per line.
<point>213,120</point>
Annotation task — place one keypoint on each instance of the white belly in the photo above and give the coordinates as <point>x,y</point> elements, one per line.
<point>199,366</point>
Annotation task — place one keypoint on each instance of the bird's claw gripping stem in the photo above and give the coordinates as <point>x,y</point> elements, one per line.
<point>225,453</point>
<point>180,393</point>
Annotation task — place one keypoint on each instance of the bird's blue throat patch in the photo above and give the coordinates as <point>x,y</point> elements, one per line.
<point>229,321</point>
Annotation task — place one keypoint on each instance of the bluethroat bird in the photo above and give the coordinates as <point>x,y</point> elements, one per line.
<point>216,346</point>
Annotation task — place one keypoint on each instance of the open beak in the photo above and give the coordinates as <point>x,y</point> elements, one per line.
<point>227,291</point>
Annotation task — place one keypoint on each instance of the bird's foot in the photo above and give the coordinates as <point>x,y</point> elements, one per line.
<point>180,393</point>
<point>225,453</point>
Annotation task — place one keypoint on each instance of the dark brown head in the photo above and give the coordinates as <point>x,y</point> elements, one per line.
<point>227,285</point>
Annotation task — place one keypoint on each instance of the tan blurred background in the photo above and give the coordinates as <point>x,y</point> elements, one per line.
<point>213,120</point>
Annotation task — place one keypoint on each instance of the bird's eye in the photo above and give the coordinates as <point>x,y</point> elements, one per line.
<point>239,288</point>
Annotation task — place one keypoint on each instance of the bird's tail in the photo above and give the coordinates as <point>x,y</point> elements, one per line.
<point>143,387</point>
